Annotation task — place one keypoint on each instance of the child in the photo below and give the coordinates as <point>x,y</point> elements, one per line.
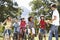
<point>42,27</point>
<point>16,29</point>
<point>22,28</point>
<point>22,24</point>
<point>31,27</point>
<point>8,26</point>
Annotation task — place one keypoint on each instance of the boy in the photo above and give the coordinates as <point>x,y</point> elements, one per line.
<point>16,29</point>
<point>31,27</point>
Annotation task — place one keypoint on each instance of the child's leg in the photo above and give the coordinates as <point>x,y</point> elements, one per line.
<point>28,31</point>
<point>29,34</point>
<point>9,34</point>
<point>20,37</point>
<point>33,33</point>
<point>45,37</point>
<point>41,34</point>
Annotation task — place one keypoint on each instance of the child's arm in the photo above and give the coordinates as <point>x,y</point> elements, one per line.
<point>48,21</point>
<point>4,22</point>
<point>13,24</point>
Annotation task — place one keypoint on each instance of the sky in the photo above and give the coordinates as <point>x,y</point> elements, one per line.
<point>24,4</point>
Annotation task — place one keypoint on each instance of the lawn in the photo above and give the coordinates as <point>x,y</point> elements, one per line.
<point>36,38</point>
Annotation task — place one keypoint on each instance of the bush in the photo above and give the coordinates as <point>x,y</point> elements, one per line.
<point>1,29</point>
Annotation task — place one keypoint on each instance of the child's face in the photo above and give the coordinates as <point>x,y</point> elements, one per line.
<point>31,19</point>
<point>42,17</point>
<point>9,18</point>
<point>16,20</point>
<point>23,19</point>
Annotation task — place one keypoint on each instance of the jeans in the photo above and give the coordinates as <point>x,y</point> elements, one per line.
<point>7,31</point>
<point>53,30</point>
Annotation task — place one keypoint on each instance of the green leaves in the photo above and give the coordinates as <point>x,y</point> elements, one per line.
<point>39,5</point>
<point>6,8</point>
<point>36,4</point>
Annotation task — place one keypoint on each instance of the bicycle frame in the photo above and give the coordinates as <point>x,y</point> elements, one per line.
<point>6,37</point>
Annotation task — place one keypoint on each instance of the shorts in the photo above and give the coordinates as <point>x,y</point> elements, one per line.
<point>31,30</point>
<point>43,31</point>
<point>7,31</point>
<point>22,29</point>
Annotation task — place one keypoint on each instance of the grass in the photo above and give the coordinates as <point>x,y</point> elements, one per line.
<point>36,38</point>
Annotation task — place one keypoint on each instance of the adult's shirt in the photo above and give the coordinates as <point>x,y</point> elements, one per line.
<point>55,13</point>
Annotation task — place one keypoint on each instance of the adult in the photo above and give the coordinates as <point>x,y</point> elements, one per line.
<point>55,22</point>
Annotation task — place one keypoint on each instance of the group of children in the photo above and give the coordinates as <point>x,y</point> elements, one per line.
<point>21,27</point>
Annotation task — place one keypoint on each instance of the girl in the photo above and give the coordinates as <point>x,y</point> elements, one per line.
<point>22,28</point>
<point>8,26</point>
<point>42,28</point>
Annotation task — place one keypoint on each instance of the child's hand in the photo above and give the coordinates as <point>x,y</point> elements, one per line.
<point>40,26</point>
<point>48,21</point>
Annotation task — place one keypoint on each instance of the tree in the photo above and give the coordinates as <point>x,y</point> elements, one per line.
<point>7,7</point>
<point>39,6</point>
<point>42,7</point>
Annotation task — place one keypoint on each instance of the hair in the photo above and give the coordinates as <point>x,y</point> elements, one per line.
<point>29,18</point>
<point>41,16</point>
<point>7,17</point>
<point>54,5</point>
<point>22,18</point>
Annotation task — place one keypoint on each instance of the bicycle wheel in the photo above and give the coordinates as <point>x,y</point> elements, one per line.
<point>15,36</point>
<point>6,37</point>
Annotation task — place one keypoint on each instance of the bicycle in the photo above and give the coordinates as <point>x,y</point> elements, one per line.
<point>15,37</point>
<point>23,34</point>
<point>7,35</point>
<point>31,34</point>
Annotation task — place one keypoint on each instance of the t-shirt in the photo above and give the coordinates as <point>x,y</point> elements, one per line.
<point>22,24</point>
<point>8,25</point>
<point>42,24</point>
<point>16,27</point>
<point>31,24</point>
<point>55,13</point>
